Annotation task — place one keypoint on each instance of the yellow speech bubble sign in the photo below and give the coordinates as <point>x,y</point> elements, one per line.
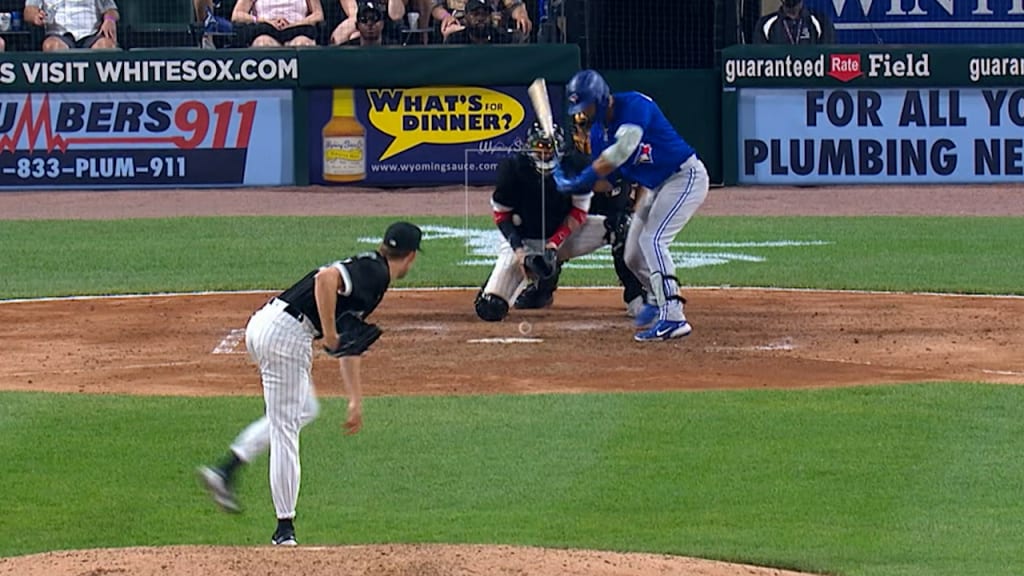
<point>441,115</point>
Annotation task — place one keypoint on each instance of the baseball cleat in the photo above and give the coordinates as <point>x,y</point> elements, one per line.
<point>284,537</point>
<point>219,489</point>
<point>664,330</point>
<point>646,315</point>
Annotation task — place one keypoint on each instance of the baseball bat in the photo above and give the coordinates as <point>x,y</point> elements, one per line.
<point>538,91</point>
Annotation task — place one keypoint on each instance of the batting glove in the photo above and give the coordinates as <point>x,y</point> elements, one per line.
<point>580,184</point>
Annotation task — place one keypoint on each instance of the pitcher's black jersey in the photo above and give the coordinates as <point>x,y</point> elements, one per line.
<point>366,278</point>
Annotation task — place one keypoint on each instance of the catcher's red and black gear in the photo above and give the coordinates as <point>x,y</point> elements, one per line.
<point>355,336</point>
<point>543,270</point>
<point>535,296</point>
<point>543,266</point>
<point>490,307</point>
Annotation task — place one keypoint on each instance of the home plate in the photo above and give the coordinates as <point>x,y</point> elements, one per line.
<point>505,340</point>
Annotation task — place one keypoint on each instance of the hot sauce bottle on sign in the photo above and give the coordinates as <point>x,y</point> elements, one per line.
<point>344,141</point>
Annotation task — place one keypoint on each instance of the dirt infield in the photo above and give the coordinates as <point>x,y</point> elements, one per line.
<point>435,345</point>
<point>386,560</point>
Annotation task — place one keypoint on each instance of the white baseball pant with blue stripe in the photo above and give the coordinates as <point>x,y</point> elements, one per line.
<point>659,216</point>
<point>283,348</point>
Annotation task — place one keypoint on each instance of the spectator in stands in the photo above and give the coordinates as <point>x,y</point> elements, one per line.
<point>348,31</point>
<point>214,17</point>
<point>477,26</point>
<point>72,24</point>
<point>3,45</point>
<point>794,24</point>
<point>280,22</point>
<point>504,12</point>
<point>372,25</point>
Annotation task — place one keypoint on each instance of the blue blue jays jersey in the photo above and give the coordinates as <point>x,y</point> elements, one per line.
<point>661,150</point>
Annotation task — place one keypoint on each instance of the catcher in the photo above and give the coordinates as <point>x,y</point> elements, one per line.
<point>280,336</point>
<point>541,227</point>
<point>615,203</point>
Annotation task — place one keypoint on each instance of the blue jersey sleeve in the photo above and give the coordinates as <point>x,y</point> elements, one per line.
<point>631,108</point>
<point>660,152</point>
<point>597,141</point>
<point>640,112</point>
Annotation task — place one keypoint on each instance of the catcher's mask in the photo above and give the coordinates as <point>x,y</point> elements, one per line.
<point>543,151</point>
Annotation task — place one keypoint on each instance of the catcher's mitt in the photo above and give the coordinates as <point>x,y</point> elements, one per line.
<point>354,336</point>
<point>543,266</point>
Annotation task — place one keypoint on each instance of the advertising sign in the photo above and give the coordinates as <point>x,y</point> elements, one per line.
<point>144,139</point>
<point>834,65</point>
<point>835,136</point>
<point>924,21</point>
<point>881,67</point>
<point>133,70</point>
<point>416,136</point>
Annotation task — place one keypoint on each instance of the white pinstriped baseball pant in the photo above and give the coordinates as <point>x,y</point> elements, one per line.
<point>658,218</point>
<point>283,349</point>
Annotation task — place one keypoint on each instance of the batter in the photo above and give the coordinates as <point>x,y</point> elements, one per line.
<point>631,138</point>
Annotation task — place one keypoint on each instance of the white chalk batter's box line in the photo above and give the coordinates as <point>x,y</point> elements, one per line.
<point>230,342</point>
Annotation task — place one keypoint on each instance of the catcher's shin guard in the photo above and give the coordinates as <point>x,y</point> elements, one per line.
<point>632,288</point>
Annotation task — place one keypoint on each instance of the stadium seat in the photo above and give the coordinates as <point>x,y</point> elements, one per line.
<point>157,23</point>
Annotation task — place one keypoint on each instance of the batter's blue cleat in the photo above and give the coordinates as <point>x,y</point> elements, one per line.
<point>646,316</point>
<point>664,330</point>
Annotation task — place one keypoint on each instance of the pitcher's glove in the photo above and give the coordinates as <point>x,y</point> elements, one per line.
<point>354,337</point>
<point>543,266</point>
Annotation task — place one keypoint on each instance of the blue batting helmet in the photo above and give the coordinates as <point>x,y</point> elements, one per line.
<point>586,87</point>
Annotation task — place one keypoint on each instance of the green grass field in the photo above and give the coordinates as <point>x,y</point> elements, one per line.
<point>55,258</point>
<point>911,480</point>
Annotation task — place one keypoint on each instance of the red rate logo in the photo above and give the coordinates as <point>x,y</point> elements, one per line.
<point>844,67</point>
<point>191,117</point>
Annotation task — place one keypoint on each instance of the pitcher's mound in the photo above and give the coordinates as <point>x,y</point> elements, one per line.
<point>382,560</point>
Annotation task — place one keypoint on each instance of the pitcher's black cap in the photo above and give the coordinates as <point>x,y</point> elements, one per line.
<point>403,236</point>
